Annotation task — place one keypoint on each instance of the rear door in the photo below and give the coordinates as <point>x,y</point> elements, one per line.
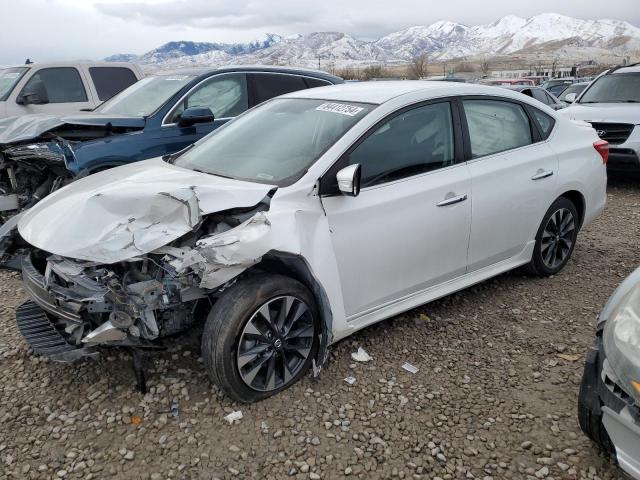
<point>513,173</point>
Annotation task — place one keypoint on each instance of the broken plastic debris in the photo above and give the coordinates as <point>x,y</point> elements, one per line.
<point>361,355</point>
<point>233,416</point>
<point>350,380</point>
<point>136,420</point>
<point>410,368</point>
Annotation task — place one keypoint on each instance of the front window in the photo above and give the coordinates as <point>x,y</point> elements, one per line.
<point>9,77</point>
<point>275,143</point>
<point>62,84</point>
<point>615,88</point>
<point>225,95</point>
<point>146,96</point>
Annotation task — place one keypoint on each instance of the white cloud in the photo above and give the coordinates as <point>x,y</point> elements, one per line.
<point>69,29</point>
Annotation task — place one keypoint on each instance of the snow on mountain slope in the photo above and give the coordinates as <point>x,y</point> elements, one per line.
<point>548,32</point>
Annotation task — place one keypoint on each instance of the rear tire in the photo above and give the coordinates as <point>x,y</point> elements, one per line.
<point>260,336</point>
<point>556,239</point>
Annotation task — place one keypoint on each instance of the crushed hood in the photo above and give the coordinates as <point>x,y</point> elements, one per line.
<point>603,112</point>
<point>27,127</point>
<point>131,210</point>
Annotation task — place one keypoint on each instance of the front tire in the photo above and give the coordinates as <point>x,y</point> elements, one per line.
<point>260,336</point>
<point>591,422</point>
<point>556,238</point>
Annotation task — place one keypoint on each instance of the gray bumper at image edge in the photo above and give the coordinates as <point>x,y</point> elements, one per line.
<point>625,435</point>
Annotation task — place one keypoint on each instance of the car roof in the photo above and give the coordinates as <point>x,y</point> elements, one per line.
<point>72,64</point>
<point>201,71</point>
<point>629,69</point>
<point>519,88</point>
<point>381,92</point>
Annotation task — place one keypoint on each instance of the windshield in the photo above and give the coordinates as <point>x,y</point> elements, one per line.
<point>577,89</point>
<point>146,96</point>
<point>8,79</point>
<point>275,143</point>
<point>614,88</point>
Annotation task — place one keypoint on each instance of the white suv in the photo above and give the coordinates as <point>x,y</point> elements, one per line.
<point>612,105</point>
<point>63,87</point>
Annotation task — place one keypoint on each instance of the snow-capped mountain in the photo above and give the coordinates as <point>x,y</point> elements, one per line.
<point>548,33</point>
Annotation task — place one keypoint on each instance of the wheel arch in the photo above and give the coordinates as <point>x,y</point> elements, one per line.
<point>296,267</point>
<point>575,197</point>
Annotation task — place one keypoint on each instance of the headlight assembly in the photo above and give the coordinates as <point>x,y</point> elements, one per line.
<point>622,341</point>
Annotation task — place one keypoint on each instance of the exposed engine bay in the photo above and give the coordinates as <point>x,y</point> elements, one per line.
<point>134,302</point>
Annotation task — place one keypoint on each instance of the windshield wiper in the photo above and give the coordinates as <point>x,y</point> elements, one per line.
<point>212,173</point>
<point>171,157</point>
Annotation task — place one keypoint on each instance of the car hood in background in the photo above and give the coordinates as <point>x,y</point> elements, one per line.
<point>603,112</point>
<point>131,210</point>
<point>27,127</point>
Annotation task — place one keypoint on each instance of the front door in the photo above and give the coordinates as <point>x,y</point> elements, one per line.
<point>64,88</point>
<point>408,229</point>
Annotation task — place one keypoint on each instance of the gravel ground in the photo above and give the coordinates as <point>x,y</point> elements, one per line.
<point>495,396</point>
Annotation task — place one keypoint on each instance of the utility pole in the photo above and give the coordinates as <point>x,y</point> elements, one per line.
<point>318,62</point>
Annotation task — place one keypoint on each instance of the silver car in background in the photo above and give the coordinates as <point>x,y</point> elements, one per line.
<point>609,399</point>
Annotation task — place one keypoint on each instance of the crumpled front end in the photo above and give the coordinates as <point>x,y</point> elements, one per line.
<point>133,303</point>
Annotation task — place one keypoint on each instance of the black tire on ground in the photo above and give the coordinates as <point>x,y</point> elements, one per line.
<point>226,321</point>
<point>591,422</point>
<point>537,266</point>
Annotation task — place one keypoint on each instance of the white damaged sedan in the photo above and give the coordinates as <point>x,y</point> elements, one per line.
<point>305,219</point>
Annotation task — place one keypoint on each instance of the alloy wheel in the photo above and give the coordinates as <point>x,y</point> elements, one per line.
<point>557,238</point>
<point>275,343</point>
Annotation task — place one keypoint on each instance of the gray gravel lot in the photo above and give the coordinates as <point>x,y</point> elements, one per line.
<point>495,396</point>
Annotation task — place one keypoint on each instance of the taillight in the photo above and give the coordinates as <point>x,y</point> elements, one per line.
<point>602,146</point>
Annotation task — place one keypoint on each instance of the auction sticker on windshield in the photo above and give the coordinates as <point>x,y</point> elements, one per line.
<point>341,108</point>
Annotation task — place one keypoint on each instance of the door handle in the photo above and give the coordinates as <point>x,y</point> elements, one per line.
<point>452,200</point>
<point>542,174</point>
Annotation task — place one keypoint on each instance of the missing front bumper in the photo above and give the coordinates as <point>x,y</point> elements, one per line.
<point>45,339</point>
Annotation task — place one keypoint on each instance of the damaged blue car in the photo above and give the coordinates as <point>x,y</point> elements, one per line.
<point>159,115</point>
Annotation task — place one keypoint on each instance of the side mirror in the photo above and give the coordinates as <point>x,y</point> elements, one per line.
<point>34,94</point>
<point>349,180</point>
<point>194,115</point>
<point>570,97</point>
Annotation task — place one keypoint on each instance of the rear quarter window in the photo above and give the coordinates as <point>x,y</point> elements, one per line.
<point>110,81</point>
<point>545,122</point>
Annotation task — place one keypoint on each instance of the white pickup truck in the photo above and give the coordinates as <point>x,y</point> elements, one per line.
<point>62,87</point>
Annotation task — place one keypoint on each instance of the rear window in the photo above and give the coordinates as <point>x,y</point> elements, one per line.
<point>269,85</point>
<point>316,82</point>
<point>496,126</point>
<point>111,80</point>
